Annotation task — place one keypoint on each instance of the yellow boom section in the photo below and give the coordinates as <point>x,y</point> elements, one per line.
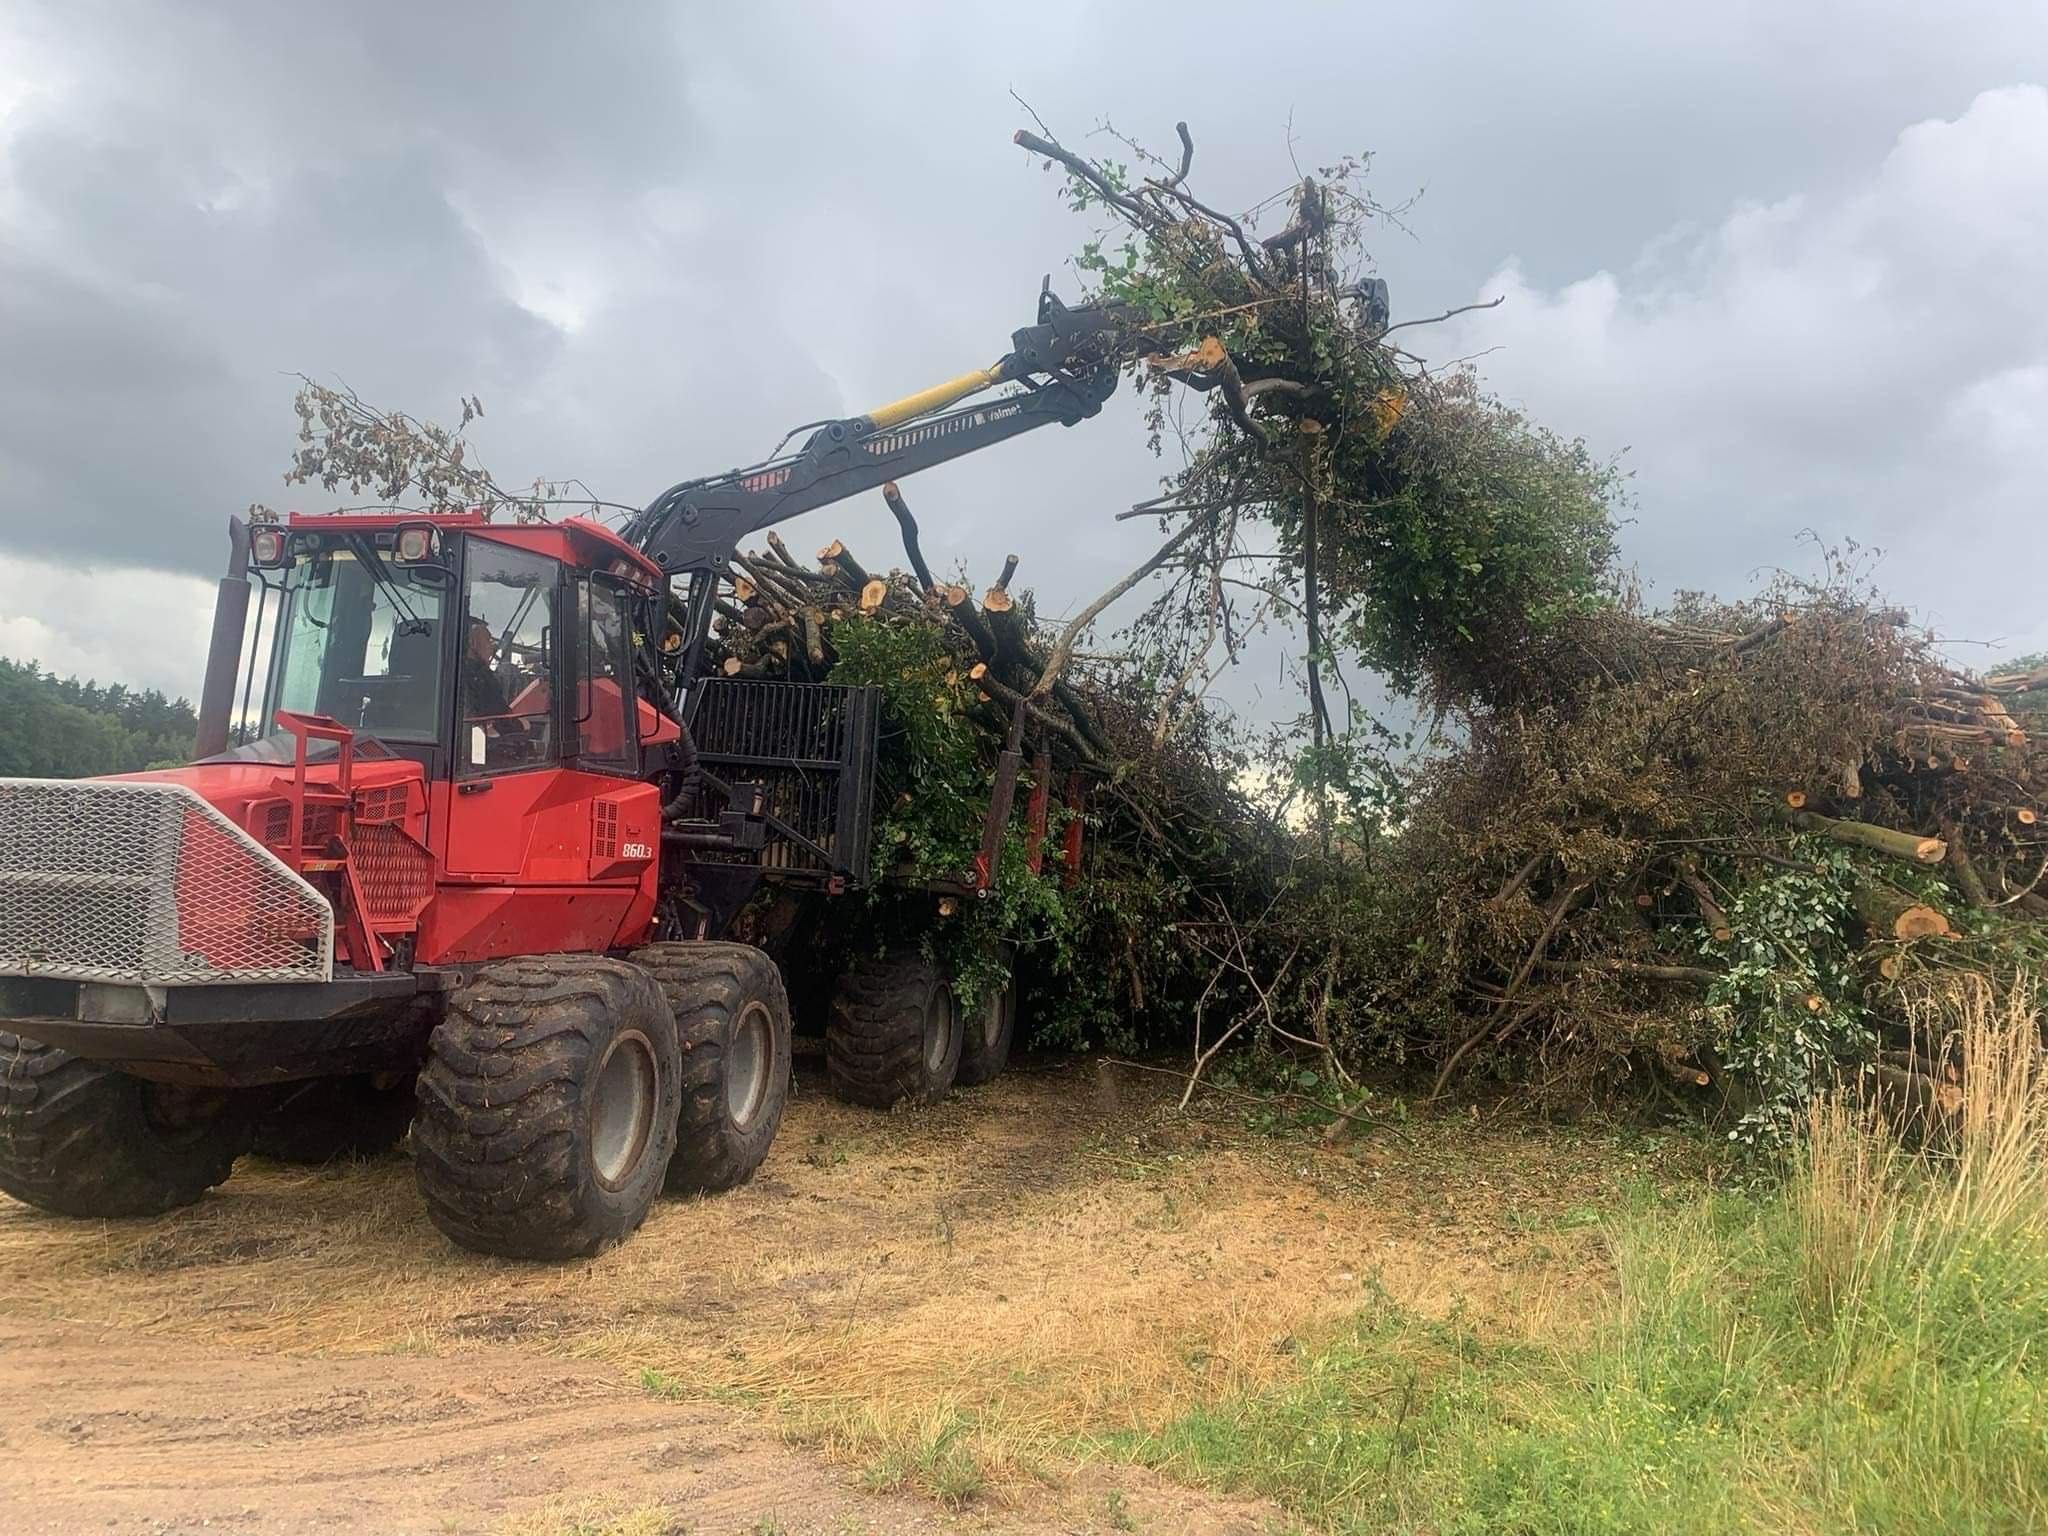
<point>937,397</point>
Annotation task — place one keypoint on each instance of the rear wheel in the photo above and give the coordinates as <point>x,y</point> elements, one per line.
<point>732,1018</point>
<point>82,1139</point>
<point>334,1117</point>
<point>985,1046</point>
<point>547,1108</point>
<point>894,1035</point>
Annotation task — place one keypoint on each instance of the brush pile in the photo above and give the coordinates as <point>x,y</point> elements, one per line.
<point>1727,865</point>
<point>1711,852</point>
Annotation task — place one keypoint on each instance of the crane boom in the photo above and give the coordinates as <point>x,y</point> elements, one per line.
<point>1067,365</point>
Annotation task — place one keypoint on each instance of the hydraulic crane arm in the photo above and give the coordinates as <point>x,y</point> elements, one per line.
<point>1067,364</point>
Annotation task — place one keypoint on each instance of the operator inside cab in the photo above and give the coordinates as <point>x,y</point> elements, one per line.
<point>483,694</point>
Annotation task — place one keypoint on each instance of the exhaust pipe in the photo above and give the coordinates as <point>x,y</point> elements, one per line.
<point>224,650</point>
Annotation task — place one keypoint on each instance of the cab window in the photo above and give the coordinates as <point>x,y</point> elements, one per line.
<point>509,645</point>
<point>604,693</point>
<point>361,642</point>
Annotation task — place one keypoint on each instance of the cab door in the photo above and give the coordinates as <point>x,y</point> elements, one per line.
<point>508,724</point>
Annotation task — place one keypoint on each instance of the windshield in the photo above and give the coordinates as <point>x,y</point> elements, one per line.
<point>360,642</point>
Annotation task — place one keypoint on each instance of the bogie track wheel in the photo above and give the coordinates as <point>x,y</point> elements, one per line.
<point>894,1036</point>
<point>732,1017</point>
<point>81,1139</point>
<point>547,1108</point>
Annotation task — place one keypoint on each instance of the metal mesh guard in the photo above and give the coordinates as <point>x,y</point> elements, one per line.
<point>148,884</point>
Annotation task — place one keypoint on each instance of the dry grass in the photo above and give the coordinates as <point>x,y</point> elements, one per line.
<point>596,1516</point>
<point>1056,1257</point>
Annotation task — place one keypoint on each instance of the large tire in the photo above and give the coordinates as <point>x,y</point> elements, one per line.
<point>894,1034</point>
<point>82,1139</point>
<point>986,1037</point>
<point>732,1017</point>
<point>327,1118</point>
<point>547,1108</point>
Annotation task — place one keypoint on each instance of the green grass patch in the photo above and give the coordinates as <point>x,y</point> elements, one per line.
<point>1861,1347</point>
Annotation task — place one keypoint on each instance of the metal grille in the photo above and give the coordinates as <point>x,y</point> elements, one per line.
<point>396,874</point>
<point>813,746</point>
<point>604,832</point>
<point>147,883</point>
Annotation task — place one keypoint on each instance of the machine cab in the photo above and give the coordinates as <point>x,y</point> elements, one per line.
<point>486,676</point>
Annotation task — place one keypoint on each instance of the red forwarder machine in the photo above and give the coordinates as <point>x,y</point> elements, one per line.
<point>475,873</point>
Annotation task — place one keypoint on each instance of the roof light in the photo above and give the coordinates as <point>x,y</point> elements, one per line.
<point>266,547</point>
<point>415,545</point>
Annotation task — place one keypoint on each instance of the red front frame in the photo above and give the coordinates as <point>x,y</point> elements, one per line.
<point>571,858</point>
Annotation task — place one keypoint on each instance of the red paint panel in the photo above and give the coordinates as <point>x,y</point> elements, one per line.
<point>492,922</point>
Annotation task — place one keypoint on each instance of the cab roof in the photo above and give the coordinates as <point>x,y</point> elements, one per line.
<point>577,541</point>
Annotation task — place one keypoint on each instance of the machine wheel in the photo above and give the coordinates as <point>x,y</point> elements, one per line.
<point>332,1117</point>
<point>547,1108</point>
<point>732,1017</point>
<point>894,1034</point>
<point>985,1048</point>
<point>82,1139</point>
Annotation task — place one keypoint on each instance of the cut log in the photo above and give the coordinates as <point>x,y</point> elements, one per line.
<point>782,554</point>
<point>873,593</point>
<point>2019,682</point>
<point>814,637</point>
<point>961,606</point>
<point>1006,622</point>
<point>1914,1094</point>
<point>1710,910</point>
<point>1673,1057</point>
<point>842,560</point>
<point>743,589</point>
<point>2024,816</point>
<point>1691,975</point>
<point>900,510</point>
<point>1889,914</point>
<point>1862,834</point>
<point>1003,581</point>
<point>1967,878</point>
<point>1851,781</point>
<point>1796,798</point>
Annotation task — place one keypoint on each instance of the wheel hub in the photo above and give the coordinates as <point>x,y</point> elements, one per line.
<point>941,1024</point>
<point>749,1063</point>
<point>622,1107</point>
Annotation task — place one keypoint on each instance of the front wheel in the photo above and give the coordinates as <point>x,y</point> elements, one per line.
<point>894,1035</point>
<point>547,1108</point>
<point>732,1017</point>
<point>82,1139</point>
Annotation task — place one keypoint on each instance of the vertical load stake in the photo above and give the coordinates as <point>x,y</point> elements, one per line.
<point>989,860</point>
<point>1036,809</point>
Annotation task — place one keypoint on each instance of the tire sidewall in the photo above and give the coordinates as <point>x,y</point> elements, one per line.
<point>628,1201</point>
<point>938,1078</point>
<point>747,1144</point>
<point>984,1058</point>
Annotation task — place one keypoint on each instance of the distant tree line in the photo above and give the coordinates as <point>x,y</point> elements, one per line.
<point>61,728</point>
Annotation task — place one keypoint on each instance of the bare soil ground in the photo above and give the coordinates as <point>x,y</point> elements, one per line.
<point>922,1321</point>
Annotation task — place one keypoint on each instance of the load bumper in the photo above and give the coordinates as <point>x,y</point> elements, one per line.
<point>229,1035</point>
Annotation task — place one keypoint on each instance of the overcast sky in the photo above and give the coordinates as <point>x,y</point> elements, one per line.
<point>1788,256</point>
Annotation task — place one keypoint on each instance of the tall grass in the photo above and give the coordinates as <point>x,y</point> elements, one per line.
<point>1863,1347</point>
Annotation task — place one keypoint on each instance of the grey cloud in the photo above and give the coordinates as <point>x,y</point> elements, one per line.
<point>653,238</point>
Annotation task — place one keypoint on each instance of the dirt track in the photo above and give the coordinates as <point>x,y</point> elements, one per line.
<point>990,1286</point>
<point>112,1434</point>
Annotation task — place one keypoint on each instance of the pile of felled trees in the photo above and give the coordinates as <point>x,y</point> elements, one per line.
<point>1730,860</point>
<point>779,618</point>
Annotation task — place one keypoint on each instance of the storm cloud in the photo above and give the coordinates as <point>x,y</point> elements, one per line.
<point>1788,261</point>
